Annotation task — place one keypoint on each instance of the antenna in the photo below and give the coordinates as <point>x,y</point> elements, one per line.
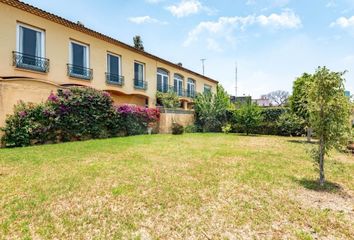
<point>203,60</point>
<point>236,79</point>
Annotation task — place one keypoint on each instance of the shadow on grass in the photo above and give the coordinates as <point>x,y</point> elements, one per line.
<point>315,185</point>
<point>302,141</point>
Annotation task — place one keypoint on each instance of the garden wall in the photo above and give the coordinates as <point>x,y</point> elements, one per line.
<point>28,90</point>
<point>182,117</point>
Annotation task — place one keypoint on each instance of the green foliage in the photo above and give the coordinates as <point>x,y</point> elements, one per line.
<point>191,129</point>
<point>248,117</point>
<point>226,128</point>
<point>299,99</point>
<point>77,113</point>
<point>169,99</point>
<point>177,129</point>
<point>138,42</point>
<point>329,112</point>
<point>290,124</point>
<point>211,110</point>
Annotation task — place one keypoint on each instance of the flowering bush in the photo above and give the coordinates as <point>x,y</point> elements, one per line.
<point>77,113</point>
<point>136,119</point>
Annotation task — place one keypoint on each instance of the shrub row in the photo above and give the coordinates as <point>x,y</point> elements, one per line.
<point>274,121</point>
<point>78,113</point>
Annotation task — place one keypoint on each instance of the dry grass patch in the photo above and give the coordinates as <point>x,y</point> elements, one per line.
<point>194,186</point>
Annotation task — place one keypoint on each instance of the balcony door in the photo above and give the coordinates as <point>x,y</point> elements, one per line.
<point>79,58</point>
<point>191,88</point>
<point>178,84</point>
<point>162,80</point>
<point>30,44</point>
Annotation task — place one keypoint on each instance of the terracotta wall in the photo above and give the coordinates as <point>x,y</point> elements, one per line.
<point>185,118</point>
<point>14,90</point>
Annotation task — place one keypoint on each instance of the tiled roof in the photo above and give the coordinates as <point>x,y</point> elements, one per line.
<point>54,18</point>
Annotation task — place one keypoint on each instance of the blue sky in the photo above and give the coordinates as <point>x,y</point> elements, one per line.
<point>273,41</point>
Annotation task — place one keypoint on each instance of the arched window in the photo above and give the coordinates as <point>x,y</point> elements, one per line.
<point>162,80</point>
<point>178,84</point>
<point>191,88</point>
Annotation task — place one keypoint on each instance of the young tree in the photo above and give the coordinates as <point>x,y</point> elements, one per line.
<point>329,113</point>
<point>211,109</point>
<point>138,43</point>
<point>249,116</point>
<point>299,101</point>
<point>278,98</point>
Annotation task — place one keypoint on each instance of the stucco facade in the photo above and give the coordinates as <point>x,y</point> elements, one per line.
<point>57,35</point>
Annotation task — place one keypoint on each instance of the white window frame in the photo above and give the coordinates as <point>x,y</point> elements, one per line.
<point>180,78</point>
<point>163,75</point>
<point>191,81</point>
<point>18,41</point>
<point>143,64</point>
<point>208,86</point>
<point>119,65</point>
<point>87,53</point>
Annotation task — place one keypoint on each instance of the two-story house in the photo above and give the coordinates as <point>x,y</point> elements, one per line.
<point>41,52</point>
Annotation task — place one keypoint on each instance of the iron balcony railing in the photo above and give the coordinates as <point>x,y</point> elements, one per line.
<point>140,84</point>
<point>26,61</point>
<point>180,92</point>
<point>114,79</point>
<point>79,72</point>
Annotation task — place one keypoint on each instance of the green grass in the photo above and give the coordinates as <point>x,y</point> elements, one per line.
<point>194,186</point>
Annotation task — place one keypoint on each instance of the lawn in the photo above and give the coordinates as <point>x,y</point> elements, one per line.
<point>193,186</point>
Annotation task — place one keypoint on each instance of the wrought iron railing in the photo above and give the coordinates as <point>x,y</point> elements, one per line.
<point>79,72</point>
<point>26,61</point>
<point>180,92</point>
<point>140,84</point>
<point>114,79</point>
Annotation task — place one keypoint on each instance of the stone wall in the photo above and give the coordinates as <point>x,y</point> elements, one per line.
<point>167,117</point>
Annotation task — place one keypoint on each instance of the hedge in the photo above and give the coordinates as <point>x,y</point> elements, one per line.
<point>78,113</point>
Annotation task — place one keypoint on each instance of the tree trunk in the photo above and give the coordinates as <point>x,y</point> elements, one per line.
<point>321,161</point>
<point>309,134</point>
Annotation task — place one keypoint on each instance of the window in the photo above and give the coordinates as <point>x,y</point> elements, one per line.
<point>114,69</point>
<point>178,84</point>
<point>162,80</point>
<point>139,76</point>
<point>190,88</point>
<point>79,61</point>
<point>207,88</point>
<point>30,49</point>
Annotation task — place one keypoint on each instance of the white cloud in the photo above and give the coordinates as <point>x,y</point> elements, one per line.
<point>225,26</point>
<point>343,22</point>
<point>145,19</point>
<point>188,7</point>
<point>287,19</point>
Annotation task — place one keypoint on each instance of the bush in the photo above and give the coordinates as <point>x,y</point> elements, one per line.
<point>291,125</point>
<point>177,129</point>
<point>211,110</point>
<point>248,117</point>
<point>168,100</point>
<point>77,113</point>
<point>226,128</point>
<point>191,129</point>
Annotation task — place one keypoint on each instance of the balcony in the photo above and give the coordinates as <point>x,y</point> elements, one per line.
<point>180,92</point>
<point>79,72</point>
<point>140,84</point>
<point>114,79</point>
<point>29,62</point>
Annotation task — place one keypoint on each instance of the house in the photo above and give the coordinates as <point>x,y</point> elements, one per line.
<point>263,101</point>
<point>41,52</point>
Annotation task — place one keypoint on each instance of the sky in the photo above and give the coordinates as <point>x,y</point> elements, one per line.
<point>272,41</point>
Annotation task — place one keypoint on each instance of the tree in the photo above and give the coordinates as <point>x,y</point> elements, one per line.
<point>299,101</point>
<point>278,98</point>
<point>329,112</point>
<point>211,109</point>
<point>249,116</point>
<point>138,43</point>
<point>168,99</point>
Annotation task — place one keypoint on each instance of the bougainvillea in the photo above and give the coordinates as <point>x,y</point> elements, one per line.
<point>77,113</point>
